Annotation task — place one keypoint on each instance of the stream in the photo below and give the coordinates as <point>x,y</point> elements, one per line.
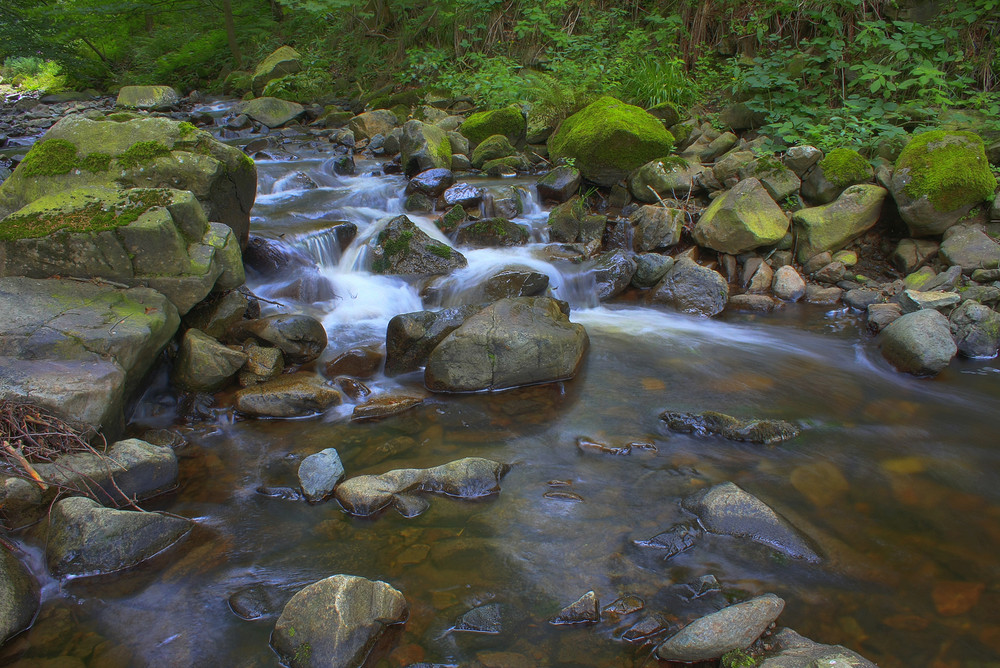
<point>894,477</point>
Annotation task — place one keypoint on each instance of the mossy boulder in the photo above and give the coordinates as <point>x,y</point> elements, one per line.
<point>423,147</point>
<point>841,168</point>
<point>667,112</point>
<point>508,122</point>
<point>127,151</point>
<point>152,98</point>
<point>152,237</point>
<point>282,61</point>
<point>939,178</point>
<point>608,139</point>
<point>492,148</point>
<point>271,111</point>
<point>402,248</point>
<point>742,219</point>
<point>832,226</point>
<point>668,176</point>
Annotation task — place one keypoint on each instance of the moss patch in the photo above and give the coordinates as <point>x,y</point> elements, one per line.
<point>121,117</point>
<point>441,250</point>
<point>142,153</point>
<point>88,214</point>
<point>186,128</point>
<point>950,168</point>
<point>52,157</point>
<point>396,244</point>
<point>844,167</point>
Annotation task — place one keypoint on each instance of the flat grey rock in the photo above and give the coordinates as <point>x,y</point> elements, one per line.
<point>734,627</point>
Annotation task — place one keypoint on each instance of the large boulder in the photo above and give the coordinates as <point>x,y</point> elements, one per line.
<point>664,177</point>
<point>288,395</point>
<point>127,151</point>
<point>691,288</point>
<point>919,343</point>
<point>78,348</point>
<point>970,248</point>
<point>410,337</point>
<point>492,233</point>
<point>402,248</point>
<point>833,226</point>
<point>840,169</point>
<point>371,123</point>
<point>284,60</point>
<point>150,98</point>
<point>86,538</point>
<point>976,329</point>
<point>735,627</point>
<point>19,596</point>
<point>512,342</point>
<point>729,510</point>
<point>569,222</point>
<point>559,184</point>
<point>301,338</point>
<point>939,177</point>
<point>508,122</point>
<point>608,139</point>
<point>337,622</point>
<point>129,470</point>
<point>742,219</point>
<point>493,147</point>
<point>657,227</point>
<point>468,478</point>
<point>151,237</point>
<point>422,147</point>
<point>271,111</point>
<point>205,365</point>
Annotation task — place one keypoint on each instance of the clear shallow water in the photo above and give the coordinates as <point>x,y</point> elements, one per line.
<point>895,478</point>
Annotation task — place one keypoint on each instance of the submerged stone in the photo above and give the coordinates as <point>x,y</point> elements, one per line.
<point>482,619</point>
<point>735,429</point>
<point>585,610</point>
<point>729,510</point>
<point>469,478</point>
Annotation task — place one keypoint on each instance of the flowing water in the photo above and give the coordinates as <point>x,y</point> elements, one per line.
<point>894,477</point>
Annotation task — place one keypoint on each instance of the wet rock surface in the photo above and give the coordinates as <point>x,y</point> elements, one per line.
<point>469,478</point>
<point>88,539</point>
<point>336,622</point>
<point>319,474</point>
<point>795,651</point>
<point>289,395</point>
<point>512,342</point>
<point>735,429</point>
<point>734,627</point>
<point>729,510</point>
<point>19,596</point>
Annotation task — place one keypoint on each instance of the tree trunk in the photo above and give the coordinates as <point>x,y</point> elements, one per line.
<point>234,45</point>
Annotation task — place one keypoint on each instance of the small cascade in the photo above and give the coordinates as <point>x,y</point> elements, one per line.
<point>323,247</point>
<point>487,208</point>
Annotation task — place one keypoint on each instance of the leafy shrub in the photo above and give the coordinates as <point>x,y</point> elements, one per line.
<point>33,73</point>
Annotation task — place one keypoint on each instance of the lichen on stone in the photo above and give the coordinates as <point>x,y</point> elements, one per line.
<point>844,167</point>
<point>949,168</point>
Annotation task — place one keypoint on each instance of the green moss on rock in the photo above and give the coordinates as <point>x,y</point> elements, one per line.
<point>81,211</point>
<point>950,168</point>
<point>52,157</point>
<point>844,167</point>
<point>608,139</point>
<point>508,122</point>
<point>141,153</point>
